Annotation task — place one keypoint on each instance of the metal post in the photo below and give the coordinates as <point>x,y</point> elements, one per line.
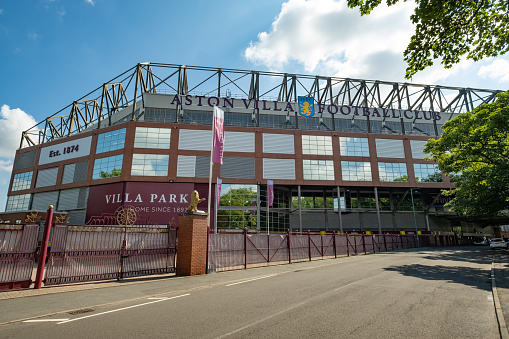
<point>44,248</point>
<point>289,247</point>
<point>245,248</point>
<point>334,244</point>
<point>300,209</point>
<point>339,212</point>
<point>378,211</point>
<point>347,248</point>
<point>385,242</point>
<point>309,244</point>
<point>413,209</point>
<point>364,243</point>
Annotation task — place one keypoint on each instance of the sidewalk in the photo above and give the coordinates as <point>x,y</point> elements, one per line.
<point>500,285</point>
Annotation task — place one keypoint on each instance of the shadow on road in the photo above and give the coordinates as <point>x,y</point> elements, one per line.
<point>469,276</point>
<point>478,255</point>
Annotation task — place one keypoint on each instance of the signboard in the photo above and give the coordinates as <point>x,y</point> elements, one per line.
<point>65,151</point>
<point>160,202</point>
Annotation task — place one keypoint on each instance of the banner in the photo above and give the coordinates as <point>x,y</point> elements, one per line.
<point>270,186</point>
<point>218,198</point>
<point>218,140</point>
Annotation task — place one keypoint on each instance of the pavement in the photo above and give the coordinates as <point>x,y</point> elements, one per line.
<point>499,284</point>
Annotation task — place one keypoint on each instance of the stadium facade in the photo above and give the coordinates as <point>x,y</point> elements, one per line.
<point>144,139</point>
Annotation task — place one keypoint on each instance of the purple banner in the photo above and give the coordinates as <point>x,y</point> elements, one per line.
<point>270,186</point>
<point>218,141</point>
<point>218,198</point>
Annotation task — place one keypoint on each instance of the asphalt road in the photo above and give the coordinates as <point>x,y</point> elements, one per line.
<point>430,293</point>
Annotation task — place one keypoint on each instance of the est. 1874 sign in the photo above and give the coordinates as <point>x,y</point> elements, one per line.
<point>65,151</point>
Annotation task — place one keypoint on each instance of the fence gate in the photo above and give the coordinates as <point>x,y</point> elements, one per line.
<point>110,247</point>
<point>18,244</point>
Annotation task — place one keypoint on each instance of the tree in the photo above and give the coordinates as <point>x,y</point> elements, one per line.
<point>474,151</point>
<point>450,29</point>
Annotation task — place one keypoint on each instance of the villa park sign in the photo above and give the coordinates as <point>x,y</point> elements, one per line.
<point>278,106</point>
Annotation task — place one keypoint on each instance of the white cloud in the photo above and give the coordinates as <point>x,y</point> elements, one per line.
<point>90,2</point>
<point>326,37</point>
<point>498,70</point>
<point>1,11</point>
<point>61,13</point>
<point>12,123</point>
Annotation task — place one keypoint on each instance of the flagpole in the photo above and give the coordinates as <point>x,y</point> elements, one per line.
<point>210,170</point>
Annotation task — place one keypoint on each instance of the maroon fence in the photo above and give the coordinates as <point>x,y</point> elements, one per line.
<point>98,252</point>
<point>18,245</point>
<point>229,251</point>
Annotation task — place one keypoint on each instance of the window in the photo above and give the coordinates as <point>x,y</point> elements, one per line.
<point>244,200</point>
<point>427,173</point>
<point>318,169</point>
<point>111,141</point>
<point>108,167</point>
<point>356,171</point>
<point>152,138</point>
<point>354,147</point>
<point>150,165</point>
<point>18,203</point>
<point>394,172</point>
<point>317,144</point>
<point>22,181</point>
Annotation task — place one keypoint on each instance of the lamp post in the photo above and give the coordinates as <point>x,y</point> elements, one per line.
<point>413,209</point>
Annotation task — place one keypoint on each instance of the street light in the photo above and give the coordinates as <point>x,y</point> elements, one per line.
<point>413,209</point>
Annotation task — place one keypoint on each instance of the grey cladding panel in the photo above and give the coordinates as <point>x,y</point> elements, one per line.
<point>68,176</point>
<point>389,148</point>
<point>41,201</point>
<point>195,140</point>
<point>25,160</point>
<point>237,167</point>
<point>279,169</point>
<point>47,177</point>
<point>239,142</point>
<point>278,143</point>
<point>202,167</point>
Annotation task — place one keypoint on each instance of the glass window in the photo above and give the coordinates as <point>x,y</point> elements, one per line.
<point>318,169</point>
<point>356,171</point>
<point>108,167</point>
<point>354,147</point>
<point>111,141</point>
<point>150,164</point>
<point>152,138</point>
<point>317,144</point>
<point>238,195</point>
<point>17,203</point>
<point>22,181</point>
<point>392,171</point>
<point>427,173</point>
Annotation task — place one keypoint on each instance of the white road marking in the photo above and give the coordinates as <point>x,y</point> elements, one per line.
<point>245,281</point>
<point>43,320</point>
<point>123,308</point>
<point>261,320</point>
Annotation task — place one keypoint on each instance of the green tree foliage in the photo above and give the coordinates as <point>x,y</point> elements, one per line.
<point>450,29</point>
<point>237,197</point>
<point>114,173</point>
<point>475,148</point>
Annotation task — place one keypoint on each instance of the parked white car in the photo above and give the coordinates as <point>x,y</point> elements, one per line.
<point>498,243</point>
<point>481,241</point>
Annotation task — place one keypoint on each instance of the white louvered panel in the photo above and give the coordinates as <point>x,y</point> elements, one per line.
<point>68,199</point>
<point>278,143</point>
<point>389,148</point>
<point>47,177</point>
<point>239,142</point>
<point>279,169</point>
<point>417,147</point>
<point>195,140</point>
<point>41,201</point>
<point>68,176</point>
<point>186,165</point>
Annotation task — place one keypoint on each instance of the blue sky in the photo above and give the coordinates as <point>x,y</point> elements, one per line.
<point>53,52</point>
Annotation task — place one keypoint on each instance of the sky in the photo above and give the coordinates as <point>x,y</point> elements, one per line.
<point>53,52</point>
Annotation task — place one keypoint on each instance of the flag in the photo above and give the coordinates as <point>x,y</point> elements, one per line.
<point>218,198</point>
<point>218,140</point>
<point>270,186</point>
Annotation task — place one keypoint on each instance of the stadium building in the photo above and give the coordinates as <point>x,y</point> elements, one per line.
<point>144,139</point>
